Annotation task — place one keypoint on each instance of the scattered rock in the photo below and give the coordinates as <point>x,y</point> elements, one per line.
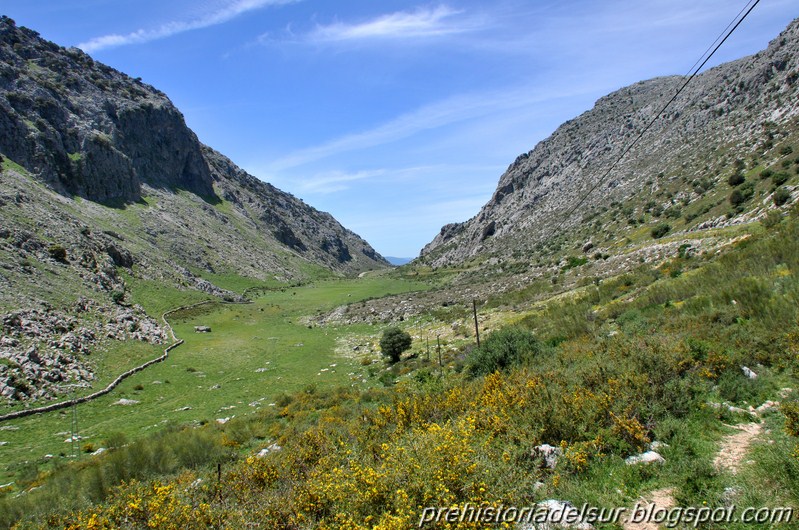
<point>125,402</point>
<point>748,372</point>
<point>270,449</point>
<point>202,329</point>
<point>649,457</point>
<point>549,454</point>
<point>768,405</point>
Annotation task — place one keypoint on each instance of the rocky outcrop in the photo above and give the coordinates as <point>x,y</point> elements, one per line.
<point>87,129</point>
<point>42,350</point>
<point>739,110</point>
<point>312,234</point>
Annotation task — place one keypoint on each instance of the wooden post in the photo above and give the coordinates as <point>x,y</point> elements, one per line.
<point>476,327</point>
<point>427,338</point>
<point>440,364</point>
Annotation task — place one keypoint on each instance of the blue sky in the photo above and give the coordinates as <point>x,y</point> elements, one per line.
<point>395,116</point>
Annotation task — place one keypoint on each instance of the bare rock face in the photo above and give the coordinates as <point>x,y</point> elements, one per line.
<point>89,130</point>
<point>736,110</point>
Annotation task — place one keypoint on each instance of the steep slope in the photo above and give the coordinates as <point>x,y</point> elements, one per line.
<point>735,118</point>
<point>88,131</point>
<point>101,183</point>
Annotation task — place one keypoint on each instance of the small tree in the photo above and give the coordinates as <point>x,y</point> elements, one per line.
<point>660,230</point>
<point>393,342</point>
<point>742,194</point>
<point>502,350</point>
<point>780,178</point>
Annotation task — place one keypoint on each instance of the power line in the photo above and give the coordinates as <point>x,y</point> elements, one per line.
<point>693,72</point>
<point>744,8</point>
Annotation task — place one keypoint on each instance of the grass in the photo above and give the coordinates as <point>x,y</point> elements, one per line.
<point>156,297</point>
<point>8,164</point>
<point>254,353</point>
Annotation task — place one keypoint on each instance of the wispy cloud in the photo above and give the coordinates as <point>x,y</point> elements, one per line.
<point>226,11</point>
<point>333,181</point>
<point>438,114</point>
<point>423,22</point>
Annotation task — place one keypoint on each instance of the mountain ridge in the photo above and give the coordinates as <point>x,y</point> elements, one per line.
<point>727,105</point>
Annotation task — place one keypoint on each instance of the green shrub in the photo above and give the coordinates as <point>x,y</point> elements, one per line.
<point>660,230</point>
<point>772,219</point>
<point>573,261</point>
<point>736,179</point>
<point>735,387</point>
<point>742,194</point>
<point>503,349</point>
<point>781,196</point>
<point>58,253</point>
<point>791,412</point>
<point>780,178</point>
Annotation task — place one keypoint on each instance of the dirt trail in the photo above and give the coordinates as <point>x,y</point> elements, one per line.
<point>735,446</point>
<point>730,456</point>
<point>662,498</point>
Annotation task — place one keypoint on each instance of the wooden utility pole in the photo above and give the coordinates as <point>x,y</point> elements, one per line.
<point>440,364</point>
<point>476,327</point>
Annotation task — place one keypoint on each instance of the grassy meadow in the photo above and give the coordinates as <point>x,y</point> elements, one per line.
<point>255,352</point>
<point>654,354</point>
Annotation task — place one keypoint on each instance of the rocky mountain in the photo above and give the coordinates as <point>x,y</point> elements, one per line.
<point>102,182</point>
<point>738,118</point>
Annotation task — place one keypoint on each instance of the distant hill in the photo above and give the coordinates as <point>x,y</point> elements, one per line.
<point>737,118</point>
<point>398,261</point>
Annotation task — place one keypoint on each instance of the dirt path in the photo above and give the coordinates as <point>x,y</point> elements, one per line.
<point>662,498</point>
<point>735,446</point>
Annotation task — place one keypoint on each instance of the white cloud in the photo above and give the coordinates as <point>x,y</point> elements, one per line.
<point>423,22</point>
<point>225,12</point>
<point>333,181</point>
<point>449,111</point>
